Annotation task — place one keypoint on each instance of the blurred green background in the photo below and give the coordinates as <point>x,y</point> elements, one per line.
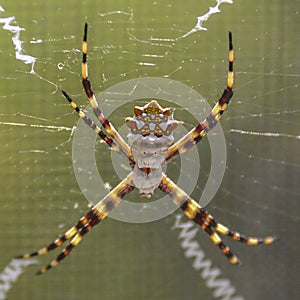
<point>259,195</point>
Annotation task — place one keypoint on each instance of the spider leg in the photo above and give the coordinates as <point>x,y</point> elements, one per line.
<point>221,228</point>
<point>93,101</point>
<point>91,124</point>
<point>207,223</point>
<point>59,241</point>
<point>198,132</point>
<point>85,224</point>
<point>110,142</point>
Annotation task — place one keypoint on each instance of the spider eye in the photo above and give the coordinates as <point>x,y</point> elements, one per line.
<point>161,116</point>
<point>144,114</point>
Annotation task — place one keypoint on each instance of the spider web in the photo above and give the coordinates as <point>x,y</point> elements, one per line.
<point>188,43</point>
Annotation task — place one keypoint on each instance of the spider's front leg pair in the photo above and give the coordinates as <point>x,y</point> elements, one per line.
<point>200,216</point>
<point>85,224</point>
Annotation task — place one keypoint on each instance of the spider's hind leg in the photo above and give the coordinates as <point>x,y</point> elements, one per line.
<point>109,128</point>
<point>89,122</point>
<point>195,135</point>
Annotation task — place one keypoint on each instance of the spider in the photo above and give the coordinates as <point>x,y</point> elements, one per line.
<point>150,145</point>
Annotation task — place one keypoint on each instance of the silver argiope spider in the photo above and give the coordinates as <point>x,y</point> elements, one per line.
<point>150,146</point>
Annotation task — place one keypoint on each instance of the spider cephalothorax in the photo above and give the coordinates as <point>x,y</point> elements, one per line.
<point>149,138</point>
<point>150,146</point>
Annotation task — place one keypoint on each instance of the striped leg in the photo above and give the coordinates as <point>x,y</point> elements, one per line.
<point>200,216</point>
<point>93,101</point>
<point>91,124</point>
<point>198,132</point>
<point>110,142</point>
<point>85,224</point>
<point>220,228</point>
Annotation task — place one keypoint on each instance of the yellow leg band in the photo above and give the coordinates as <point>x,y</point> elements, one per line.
<point>84,47</point>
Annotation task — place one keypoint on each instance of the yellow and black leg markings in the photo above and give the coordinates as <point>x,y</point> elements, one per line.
<point>93,101</point>
<point>110,142</point>
<point>206,221</point>
<point>68,235</point>
<point>85,224</point>
<point>198,132</point>
<point>222,229</point>
<point>92,220</point>
<point>91,124</point>
<point>230,66</point>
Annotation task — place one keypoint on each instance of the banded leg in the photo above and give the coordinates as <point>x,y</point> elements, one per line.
<point>85,224</point>
<point>200,216</point>
<point>93,101</point>
<point>110,142</point>
<point>197,133</point>
<point>220,228</point>
<point>91,124</point>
